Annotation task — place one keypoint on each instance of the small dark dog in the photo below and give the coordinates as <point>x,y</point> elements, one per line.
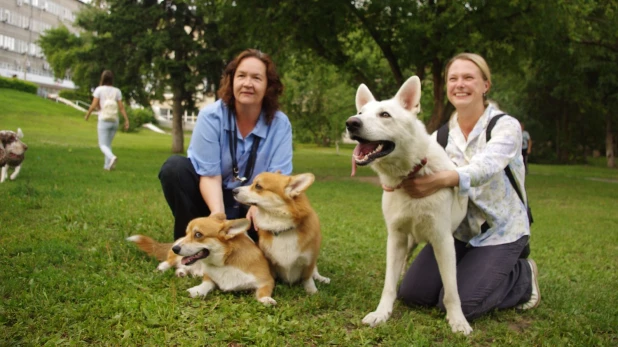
<point>12,152</point>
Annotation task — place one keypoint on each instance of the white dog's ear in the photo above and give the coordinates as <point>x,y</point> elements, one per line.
<point>20,134</point>
<point>299,184</point>
<point>409,95</point>
<point>363,96</point>
<point>235,227</point>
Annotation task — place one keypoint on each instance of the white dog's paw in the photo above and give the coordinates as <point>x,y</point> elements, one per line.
<point>164,266</point>
<point>375,318</point>
<point>460,325</point>
<point>267,301</point>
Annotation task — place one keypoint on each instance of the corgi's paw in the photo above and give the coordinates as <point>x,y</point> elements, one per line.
<point>197,291</point>
<point>201,290</point>
<point>267,301</point>
<point>376,317</point>
<point>459,325</point>
<point>310,287</point>
<point>321,278</point>
<point>181,272</point>
<point>164,266</point>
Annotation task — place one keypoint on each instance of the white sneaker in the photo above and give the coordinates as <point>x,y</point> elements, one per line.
<point>112,163</point>
<point>535,297</point>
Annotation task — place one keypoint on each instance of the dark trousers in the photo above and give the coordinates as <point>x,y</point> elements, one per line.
<point>181,188</point>
<point>490,277</point>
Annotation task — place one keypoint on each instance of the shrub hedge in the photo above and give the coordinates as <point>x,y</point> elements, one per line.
<point>137,117</point>
<point>17,84</point>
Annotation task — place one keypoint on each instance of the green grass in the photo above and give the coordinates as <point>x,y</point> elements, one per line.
<point>68,277</point>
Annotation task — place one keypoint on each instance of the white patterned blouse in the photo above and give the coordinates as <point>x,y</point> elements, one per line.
<point>480,165</point>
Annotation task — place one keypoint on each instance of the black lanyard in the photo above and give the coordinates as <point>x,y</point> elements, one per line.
<point>251,162</point>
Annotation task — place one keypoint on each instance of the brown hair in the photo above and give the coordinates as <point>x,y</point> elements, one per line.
<point>274,87</point>
<point>476,60</point>
<point>107,78</point>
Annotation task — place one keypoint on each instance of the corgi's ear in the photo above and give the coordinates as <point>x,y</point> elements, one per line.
<point>363,96</point>
<point>235,226</point>
<point>409,95</point>
<point>219,216</point>
<point>299,184</point>
<point>278,171</point>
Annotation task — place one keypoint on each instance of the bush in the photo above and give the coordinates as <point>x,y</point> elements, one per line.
<point>14,83</point>
<point>138,117</point>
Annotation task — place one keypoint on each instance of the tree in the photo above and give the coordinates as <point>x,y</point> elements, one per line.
<point>382,42</point>
<point>149,45</point>
<point>316,99</point>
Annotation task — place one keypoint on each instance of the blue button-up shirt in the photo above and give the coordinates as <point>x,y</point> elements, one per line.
<point>209,149</point>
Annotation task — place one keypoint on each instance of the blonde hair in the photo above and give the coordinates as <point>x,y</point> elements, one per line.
<point>479,62</point>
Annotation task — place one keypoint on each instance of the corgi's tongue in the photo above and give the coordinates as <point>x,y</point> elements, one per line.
<point>193,258</point>
<point>353,167</point>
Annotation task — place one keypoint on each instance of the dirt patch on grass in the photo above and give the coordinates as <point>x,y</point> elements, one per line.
<point>520,326</point>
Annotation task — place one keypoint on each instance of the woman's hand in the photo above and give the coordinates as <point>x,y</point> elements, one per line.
<point>87,116</point>
<point>126,125</point>
<point>250,214</point>
<point>420,187</point>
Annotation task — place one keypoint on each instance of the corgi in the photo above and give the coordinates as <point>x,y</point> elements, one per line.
<point>221,252</point>
<point>288,227</point>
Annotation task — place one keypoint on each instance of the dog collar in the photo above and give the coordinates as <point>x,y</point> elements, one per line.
<point>276,233</point>
<point>414,171</point>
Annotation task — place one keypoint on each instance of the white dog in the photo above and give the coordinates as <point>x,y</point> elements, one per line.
<point>396,145</point>
<point>12,152</point>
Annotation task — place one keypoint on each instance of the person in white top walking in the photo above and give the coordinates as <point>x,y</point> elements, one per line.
<point>490,243</point>
<point>109,101</point>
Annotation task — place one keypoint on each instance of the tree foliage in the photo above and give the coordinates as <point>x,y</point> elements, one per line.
<point>553,61</point>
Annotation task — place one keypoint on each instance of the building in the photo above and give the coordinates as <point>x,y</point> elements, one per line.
<point>21,24</point>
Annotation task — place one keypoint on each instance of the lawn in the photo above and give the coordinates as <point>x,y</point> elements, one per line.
<point>68,277</point>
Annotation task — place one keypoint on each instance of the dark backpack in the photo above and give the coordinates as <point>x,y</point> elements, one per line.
<point>442,138</point>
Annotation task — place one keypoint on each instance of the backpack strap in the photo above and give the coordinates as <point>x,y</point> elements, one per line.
<point>507,169</point>
<point>442,135</point>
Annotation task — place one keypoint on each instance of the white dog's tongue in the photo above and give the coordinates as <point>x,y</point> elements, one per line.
<point>356,152</point>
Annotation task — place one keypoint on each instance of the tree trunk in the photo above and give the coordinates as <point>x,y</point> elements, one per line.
<point>437,115</point>
<point>177,132</point>
<point>609,142</point>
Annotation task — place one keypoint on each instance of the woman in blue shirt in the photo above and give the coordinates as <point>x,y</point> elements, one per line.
<point>235,139</point>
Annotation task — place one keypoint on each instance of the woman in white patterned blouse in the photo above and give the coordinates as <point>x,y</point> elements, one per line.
<point>491,274</point>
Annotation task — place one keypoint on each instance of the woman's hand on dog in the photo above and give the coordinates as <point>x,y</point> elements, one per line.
<point>420,187</point>
<point>250,213</point>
